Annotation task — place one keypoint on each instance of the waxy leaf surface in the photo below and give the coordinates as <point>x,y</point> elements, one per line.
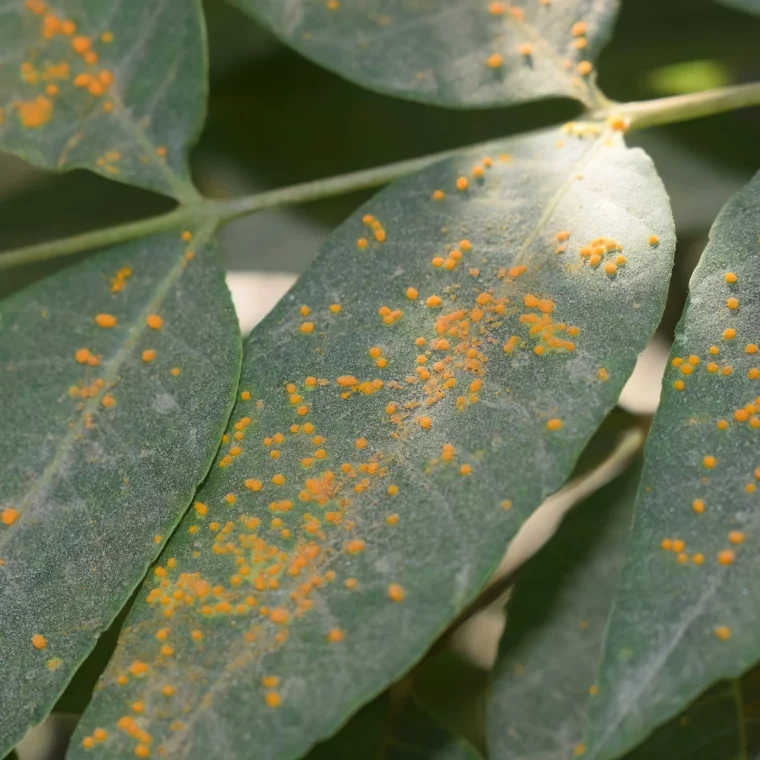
<point>117,377</point>
<point>462,53</point>
<point>687,608</point>
<point>113,86</point>
<point>555,624</point>
<point>402,411</point>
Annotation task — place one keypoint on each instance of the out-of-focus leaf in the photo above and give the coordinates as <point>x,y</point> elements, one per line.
<point>710,729</point>
<point>116,87</point>
<point>101,446</point>
<point>687,607</point>
<point>406,407</point>
<point>388,729</point>
<point>750,6</point>
<point>463,53</point>
<point>455,693</point>
<point>555,623</point>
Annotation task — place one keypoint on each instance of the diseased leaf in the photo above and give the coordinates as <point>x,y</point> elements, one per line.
<point>555,624</point>
<point>688,604</point>
<point>749,6</point>
<point>464,53</point>
<point>117,377</point>
<point>393,730</point>
<point>113,86</point>
<point>405,407</point>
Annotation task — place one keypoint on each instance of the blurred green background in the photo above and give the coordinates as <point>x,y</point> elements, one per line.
<point>275,119</point>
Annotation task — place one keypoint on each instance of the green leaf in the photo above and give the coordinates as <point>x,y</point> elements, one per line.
<point>749,6</point>
<point>713,728</point>
<point>440,51</point>
<point>555,624</point>
<point>102,446</point>
<point>675,606</point>
<point>388,729</point>
<point>384,474</point>
<point>115,87</point>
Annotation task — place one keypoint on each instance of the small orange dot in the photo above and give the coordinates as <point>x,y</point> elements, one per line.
<point>105,320</point>
<point>726,557</point>
<point>396,592</point>
<point>39,641</point>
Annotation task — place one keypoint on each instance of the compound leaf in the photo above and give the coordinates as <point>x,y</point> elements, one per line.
<point>117,377</point>
<point>116,87</point>
<point>403,410</point>
<point>463,53</point>
<point>687,608</point>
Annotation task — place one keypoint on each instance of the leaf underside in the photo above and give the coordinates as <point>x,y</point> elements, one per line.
<point>687,614</point>
<point>101,446</point>
<point>441,51</point>
<point>389,443</point>
<point>116,87</point>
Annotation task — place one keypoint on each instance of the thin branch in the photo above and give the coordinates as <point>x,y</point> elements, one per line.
<point>328,188</point>
<point>651,113</point>
<point>639,115</point>
<point>96,239</point>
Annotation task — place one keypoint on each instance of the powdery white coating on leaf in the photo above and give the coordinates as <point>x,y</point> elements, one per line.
<point>116,86</point>
<point>686,610</point>
<point>459,53</point>
<point>401,412</point>
<point>100,450</point>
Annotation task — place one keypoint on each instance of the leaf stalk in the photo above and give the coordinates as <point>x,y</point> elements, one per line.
<point>641,115</point>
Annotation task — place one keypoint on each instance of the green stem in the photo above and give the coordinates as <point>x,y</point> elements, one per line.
<point>328,188</point>
<point>652,113</point>
<point>226,210</point>
<point>640,115</point>
<point>97,238</point>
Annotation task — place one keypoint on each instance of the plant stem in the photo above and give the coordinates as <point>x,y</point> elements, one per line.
<point>225,210</point>
<point>328,188</point>
<point>651,113</point>
<point>641,115</point>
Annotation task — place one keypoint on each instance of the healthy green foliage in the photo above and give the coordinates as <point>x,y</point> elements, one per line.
<point>116,87</point>
<point>687,608</point>
<point>103,446</point>
<point>555,623</point>
<point>399,418</point>
<point>441,51</point>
